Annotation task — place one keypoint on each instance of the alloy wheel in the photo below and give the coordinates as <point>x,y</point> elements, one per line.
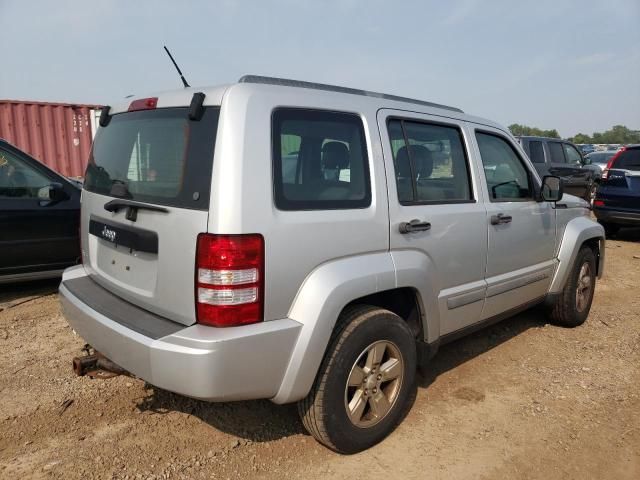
<point>374,384</point>
<point>583,288</point>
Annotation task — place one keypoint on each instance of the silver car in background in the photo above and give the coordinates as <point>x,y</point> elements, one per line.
<point>597,161</point>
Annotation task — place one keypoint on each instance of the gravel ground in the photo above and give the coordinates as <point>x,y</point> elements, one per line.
<point>521,399</point>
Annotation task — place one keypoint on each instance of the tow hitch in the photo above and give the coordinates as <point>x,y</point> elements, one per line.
<point>96,365</point>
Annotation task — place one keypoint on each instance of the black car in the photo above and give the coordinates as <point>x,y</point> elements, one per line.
<point>552,156</point>
<point>39,218</point>
<point>617,203</point>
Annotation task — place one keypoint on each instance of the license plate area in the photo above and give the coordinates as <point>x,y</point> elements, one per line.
<point>133,238</point>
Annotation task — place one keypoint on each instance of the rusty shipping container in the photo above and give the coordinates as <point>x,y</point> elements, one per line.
<point>57,134</point>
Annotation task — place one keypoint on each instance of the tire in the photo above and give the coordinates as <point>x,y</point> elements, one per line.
<point>571,308</point>
<point>324,412</point>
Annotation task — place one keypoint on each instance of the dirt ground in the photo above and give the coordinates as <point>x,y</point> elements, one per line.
<point>521,399</point>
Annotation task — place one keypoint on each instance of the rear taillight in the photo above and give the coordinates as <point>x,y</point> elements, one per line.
<point>598,203</point>
<point>605,172</point>
<point>229,279</point>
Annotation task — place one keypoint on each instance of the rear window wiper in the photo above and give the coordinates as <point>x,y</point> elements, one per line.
<point>132,207</point>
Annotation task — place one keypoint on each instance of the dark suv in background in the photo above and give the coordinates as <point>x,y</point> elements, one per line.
<point>552,156</point>
<point>617,203</point>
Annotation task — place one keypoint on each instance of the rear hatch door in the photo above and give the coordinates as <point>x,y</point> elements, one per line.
<point>622,187</point>
<point>145,200</point>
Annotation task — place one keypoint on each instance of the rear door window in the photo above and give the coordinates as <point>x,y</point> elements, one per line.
<point>320,160</point>
<point>536,151</point>
<point>430,163</point>
<point>556,151</point>
<point>155,156</point>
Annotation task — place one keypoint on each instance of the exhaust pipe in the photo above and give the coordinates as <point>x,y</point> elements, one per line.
<point>96,366</point>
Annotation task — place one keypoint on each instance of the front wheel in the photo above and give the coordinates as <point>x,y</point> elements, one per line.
<point>572,307</point>
<point>361,390</point>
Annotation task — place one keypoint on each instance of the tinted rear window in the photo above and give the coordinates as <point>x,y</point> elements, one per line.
<point>628,160</point>
<point>155,156</point>
<point>320,160</point>
<point>536,151</point>
<point>556,152</point>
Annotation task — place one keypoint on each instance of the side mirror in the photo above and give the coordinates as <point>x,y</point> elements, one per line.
<point>52,193</point>
<point>552,188</point>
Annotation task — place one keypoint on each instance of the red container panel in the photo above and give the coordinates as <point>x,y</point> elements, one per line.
<point>57,134</point>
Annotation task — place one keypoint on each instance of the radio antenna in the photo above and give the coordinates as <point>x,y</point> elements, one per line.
<point>184,81</point>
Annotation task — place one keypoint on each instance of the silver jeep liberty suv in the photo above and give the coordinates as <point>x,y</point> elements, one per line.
<point>314,244</point>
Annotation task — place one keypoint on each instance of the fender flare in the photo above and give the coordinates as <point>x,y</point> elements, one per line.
<point>577,231</point>
<point>317,305</point>
<point>325,293</point>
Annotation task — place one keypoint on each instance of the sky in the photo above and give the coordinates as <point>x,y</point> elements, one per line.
<point>572,65</point>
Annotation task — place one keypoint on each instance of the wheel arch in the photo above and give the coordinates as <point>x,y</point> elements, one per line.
<point>579,231</point>
<point>375,279</point>
<point>321,297</point>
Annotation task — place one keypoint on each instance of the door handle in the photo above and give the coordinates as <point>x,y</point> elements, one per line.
<point>500,218</point>
<point>414,225</point>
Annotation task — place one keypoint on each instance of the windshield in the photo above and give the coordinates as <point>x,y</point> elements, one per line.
<point>155,156</point>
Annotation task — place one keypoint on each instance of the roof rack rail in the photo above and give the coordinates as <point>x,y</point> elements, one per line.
<point>335,88</point>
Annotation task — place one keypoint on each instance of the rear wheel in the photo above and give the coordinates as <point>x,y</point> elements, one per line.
<point>572,306</point>
<point>363,384</point>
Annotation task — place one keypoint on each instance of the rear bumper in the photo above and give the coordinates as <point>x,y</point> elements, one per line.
<point>215,364</point>
<point>618,217</point>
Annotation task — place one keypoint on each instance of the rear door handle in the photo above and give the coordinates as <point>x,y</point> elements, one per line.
<point>500,218</point>
<point>414,225</point>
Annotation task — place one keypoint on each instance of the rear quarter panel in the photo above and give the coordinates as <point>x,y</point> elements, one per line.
<point>296,242</point>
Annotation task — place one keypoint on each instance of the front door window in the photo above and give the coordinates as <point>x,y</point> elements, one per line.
<point>507,178</point>
<point>17,179</point>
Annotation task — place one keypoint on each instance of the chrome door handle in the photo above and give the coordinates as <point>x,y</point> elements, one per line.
<point>500,218</point>
<point>414,225</point>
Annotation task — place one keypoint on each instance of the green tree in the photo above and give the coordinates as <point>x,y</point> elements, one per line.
<point>616,134</point>
<point>524,130</point>
<point>581,138</point>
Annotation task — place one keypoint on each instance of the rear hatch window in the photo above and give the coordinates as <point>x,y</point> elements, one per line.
<point>628,160</point>
<point>158,158</point>
<point>155,156</point>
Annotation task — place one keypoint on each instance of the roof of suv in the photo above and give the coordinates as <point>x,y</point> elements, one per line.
<point>333,88</point>
<point>533,137</point>
<point>214,94</point>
